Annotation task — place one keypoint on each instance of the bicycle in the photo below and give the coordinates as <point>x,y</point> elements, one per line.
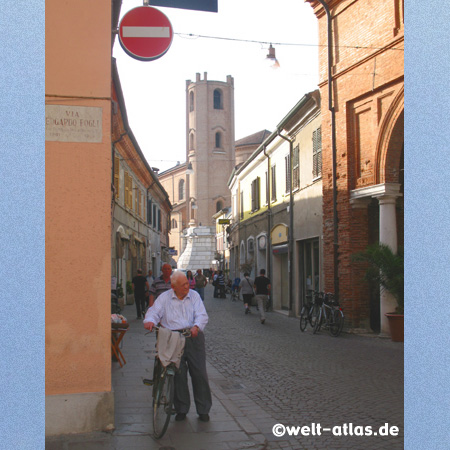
<point>310,310</point>
<point>163,391</point>
<point>331,316</point>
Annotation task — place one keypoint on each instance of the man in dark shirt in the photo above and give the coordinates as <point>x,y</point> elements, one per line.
<point>161,284</point>
<point>140,285</point>
<point>262,290</point>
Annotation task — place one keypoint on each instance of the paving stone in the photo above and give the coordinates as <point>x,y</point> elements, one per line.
<point>260,376</point>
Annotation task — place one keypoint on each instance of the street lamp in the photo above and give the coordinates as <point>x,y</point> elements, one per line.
<point>189,169</point>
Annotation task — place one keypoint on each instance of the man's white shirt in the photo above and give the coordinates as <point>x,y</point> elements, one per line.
<point>176,314</point>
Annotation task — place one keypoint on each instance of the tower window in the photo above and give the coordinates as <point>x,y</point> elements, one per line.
<point>191,141</point>
<point>218,99</point>
<point>219,206</point>
<point>181,190</point>
<point>191,101</point>
<point>218,139</point>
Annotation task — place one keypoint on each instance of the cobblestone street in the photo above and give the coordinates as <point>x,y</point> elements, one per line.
<point>260,375</point>
<point>299,378</point>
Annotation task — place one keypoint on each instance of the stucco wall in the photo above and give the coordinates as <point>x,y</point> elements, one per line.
<point>78,213</point>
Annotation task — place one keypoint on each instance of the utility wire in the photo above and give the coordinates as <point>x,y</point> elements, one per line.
<point>191,35</point>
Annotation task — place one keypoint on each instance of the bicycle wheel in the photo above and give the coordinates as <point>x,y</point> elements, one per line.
<point>336,322</point>
<point>162,405</point>
<point>314,315</point>
<point>318,323</point>
<point>303,319</point>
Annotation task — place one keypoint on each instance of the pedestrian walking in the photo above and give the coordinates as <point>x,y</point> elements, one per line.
<point>161,284</point>
<point>200,283</point>
<point>262,290</point>
<point>140,285</point>
<point>246,287</point>
<point>215,284</point>
<point>177,309</point>
<point>190,279</point>
<point>150,280</point>
<point>221,284</point>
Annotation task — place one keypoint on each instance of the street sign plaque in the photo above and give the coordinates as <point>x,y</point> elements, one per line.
<point>224,221</point>
<point>145,33</point>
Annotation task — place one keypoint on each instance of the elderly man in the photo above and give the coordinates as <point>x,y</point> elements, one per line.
<point>160,284</point>
<point>177,309</point>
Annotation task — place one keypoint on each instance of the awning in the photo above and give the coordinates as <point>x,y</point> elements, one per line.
<point>280,249</point>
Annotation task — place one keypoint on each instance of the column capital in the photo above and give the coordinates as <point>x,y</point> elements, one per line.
<point>376,191</point>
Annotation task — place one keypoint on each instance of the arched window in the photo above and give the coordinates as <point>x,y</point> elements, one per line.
<point>191,101</point>
<point>242,253</point>
<point>218,101</point>
<point>219,206</point>
<point>174,224</point>
<point>181,190</point>
<point>218,139</point>
<point>191,141</point>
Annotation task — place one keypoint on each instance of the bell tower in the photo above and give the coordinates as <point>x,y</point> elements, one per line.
<point>209,147</point>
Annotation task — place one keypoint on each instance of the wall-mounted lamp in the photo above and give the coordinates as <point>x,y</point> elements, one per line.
<point>189,170</point>
<point>193,203</point>
<point>272,59</point>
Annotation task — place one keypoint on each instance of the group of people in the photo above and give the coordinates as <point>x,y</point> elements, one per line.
<point>218,281</point>
<point>175,301</point>
<point>259,289</point>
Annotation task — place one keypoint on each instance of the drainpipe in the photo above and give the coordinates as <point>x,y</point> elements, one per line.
<point>291,225</point>
<point>333,149</point>
<point>269,216</point>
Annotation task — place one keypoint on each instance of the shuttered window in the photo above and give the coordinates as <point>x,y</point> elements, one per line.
<point>296,168</point>
<point>139,196</point>
<point>267,187</point>
<point>255,194</point>
<point>274,183</point>
<point>317,153</point>
<point>128,191</point>
<point>149,211</point>
<point>241,206</point>
<point>117,175</point>
<point>287,165</point>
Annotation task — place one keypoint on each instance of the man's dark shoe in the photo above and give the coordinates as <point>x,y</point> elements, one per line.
<point>180,416</point>
<point>204,417</point>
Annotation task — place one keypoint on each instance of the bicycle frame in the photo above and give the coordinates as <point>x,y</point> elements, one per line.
<point>331,316</point>
<point>163,391</point>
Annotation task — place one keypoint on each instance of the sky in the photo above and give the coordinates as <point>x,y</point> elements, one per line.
<point>155,91</point>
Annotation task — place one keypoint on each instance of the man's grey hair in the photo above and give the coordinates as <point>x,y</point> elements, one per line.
<point>177,275</point>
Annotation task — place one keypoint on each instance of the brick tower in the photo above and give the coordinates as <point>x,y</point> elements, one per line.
<point>209,147</point>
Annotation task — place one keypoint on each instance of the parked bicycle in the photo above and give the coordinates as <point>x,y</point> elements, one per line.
<point>310,310</point>
<point>330,317</point>
<point>163,391</point>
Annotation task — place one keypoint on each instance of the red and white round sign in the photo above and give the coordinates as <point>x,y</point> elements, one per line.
<point>145,33</point>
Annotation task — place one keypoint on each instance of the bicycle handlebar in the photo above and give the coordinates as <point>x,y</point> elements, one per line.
<point>186,332</point>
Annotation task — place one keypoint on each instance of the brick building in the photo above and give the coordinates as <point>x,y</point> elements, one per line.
<point>368,90</point>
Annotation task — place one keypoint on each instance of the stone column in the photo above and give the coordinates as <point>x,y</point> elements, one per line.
<point>388,236</point>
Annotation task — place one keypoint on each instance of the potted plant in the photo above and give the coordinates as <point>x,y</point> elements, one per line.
<point>387,269</point>
<point>130,296</point>
<point>120,294</point>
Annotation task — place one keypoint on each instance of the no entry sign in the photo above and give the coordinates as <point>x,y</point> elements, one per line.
<point>145,33</point>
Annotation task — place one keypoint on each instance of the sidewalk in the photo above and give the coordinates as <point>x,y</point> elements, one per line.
<point>229,428</point>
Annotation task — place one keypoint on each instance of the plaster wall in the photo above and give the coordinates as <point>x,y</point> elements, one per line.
<point>78,215</point>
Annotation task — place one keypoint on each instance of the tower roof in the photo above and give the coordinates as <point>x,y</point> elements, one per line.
<point>254,139</point>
